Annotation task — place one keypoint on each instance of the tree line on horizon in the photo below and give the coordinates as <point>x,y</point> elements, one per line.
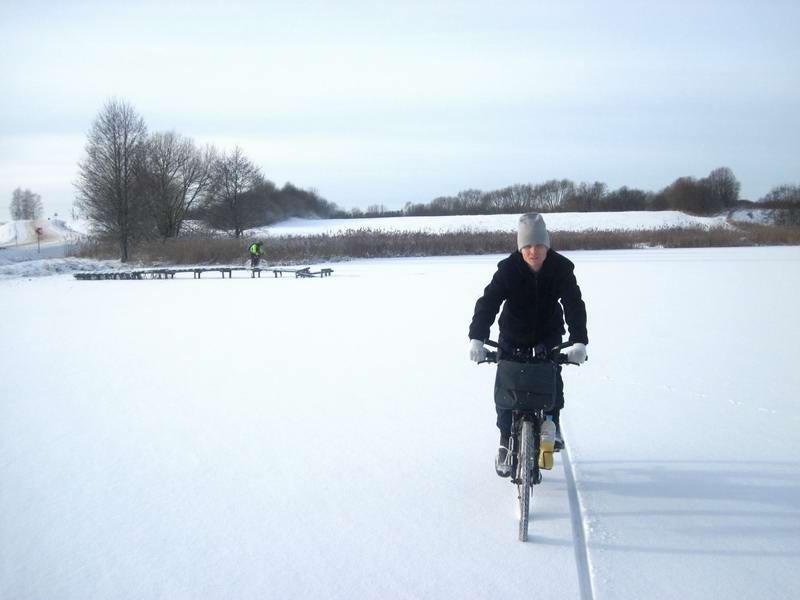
<point>134,185</point>
<point>709,195</point>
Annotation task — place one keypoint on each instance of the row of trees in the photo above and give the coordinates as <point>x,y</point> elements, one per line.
<point>782,196</point>
<point>25,205</point>
<point>786,200</point>
<point>709,195</point>
<point>135,185</point>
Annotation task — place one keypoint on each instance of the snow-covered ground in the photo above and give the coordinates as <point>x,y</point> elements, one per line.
<point>634,220</point>
<point>328,438</point>
<point>54,231</point>
<point>21,233</point>
<point>54,266</point>
<point>762,216</point>
<point>18,241</point>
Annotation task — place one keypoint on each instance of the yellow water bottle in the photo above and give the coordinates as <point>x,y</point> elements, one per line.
<point>547,443</point>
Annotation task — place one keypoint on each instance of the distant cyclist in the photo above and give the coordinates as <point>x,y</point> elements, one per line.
<point>256,252</point>
<point>530,282</point>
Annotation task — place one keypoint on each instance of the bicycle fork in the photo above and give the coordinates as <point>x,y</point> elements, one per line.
<point>533,457</point>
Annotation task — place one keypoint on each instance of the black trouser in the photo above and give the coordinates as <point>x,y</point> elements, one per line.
<point>504,415</point>
<point>254,260</point>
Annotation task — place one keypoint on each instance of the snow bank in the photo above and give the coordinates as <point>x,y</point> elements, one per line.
<point>634,220</point>
<point>761,216</point>
<point>53,231</point>
<point>53,266</point>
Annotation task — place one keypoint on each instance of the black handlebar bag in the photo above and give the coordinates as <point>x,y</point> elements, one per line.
<point>525,385</point>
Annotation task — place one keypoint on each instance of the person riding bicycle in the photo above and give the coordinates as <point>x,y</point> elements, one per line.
<point>529,284</point>
<point>256,252</point>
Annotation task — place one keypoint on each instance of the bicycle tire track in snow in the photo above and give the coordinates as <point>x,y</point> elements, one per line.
<point>582,561</point>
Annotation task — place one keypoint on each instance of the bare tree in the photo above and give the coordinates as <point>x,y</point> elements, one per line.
<point>375,210</point>
<point>625,198</point>
<point>511,199</point>
<point>496,201</point>
<point>785,202</point>
<point>174,174</point>
<point>25,205</point>
<point>472,201</point>
<point>107,177</point>
<point>226,201</point>
<point>705,196</point>
<point>782,196</point>
<point>688,195</point>
<point>586,197</point>
<point>551,194</point>
<point>521,197</point>
<point>15,208</point>
<point>723,188</point>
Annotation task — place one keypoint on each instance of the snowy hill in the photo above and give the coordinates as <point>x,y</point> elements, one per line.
<point>54,231</point>
<point>634,220</point>
<point>57,231</point>
<point>52,266</point>
<point>22,233</point>
<point>762,216</point>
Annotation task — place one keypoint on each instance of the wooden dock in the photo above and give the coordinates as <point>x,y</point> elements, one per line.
<point>197,272</point>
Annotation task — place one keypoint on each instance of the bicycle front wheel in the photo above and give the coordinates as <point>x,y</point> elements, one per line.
<point>524,481</point>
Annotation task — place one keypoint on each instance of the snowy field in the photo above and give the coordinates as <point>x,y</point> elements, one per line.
<point>18,240</point>
<point>634,220</point>
<point>328,438</point>
<point>53,231</point>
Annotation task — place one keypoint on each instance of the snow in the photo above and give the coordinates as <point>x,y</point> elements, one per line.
<point>634,220</point>
<point>43,268</point>
<point>54,231</point>
<point>18,238</point>
<point>762,216</point>
<point>688,457</point>
<point>328,438</point>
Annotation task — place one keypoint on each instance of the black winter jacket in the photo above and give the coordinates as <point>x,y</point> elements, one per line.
<point>532,313</point>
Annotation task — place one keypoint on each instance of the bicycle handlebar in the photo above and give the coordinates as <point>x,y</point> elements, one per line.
<point>559,358</point>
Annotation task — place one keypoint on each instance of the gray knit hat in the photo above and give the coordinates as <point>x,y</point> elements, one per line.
<point>532,231</point>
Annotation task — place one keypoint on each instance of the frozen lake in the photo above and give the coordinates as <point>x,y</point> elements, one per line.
<point>329,438</point>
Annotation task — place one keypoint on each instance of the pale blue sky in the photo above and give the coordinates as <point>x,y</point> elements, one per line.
<point>387,103</point>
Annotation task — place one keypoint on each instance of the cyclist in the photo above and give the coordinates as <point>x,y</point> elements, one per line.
<point>256,253</point>
<point>531,282</point>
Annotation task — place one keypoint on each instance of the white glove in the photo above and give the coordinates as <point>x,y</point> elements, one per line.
<point>476,350</point>
<point>577,353</point>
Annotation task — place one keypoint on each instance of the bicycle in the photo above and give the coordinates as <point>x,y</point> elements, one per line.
<point>526,384</point>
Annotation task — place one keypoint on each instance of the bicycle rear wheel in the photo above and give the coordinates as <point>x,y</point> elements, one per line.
<point>524,477</point>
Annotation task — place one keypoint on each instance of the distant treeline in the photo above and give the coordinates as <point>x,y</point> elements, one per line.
<point>709,195</point>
